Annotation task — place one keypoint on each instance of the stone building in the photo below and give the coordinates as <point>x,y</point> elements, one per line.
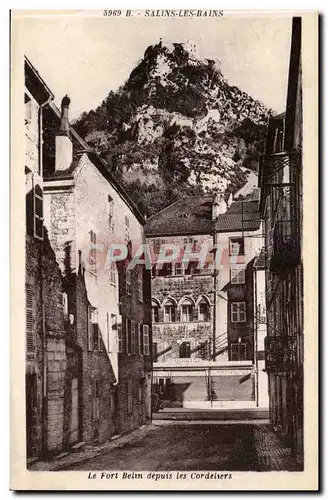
<point>45,330</point>
<point>107,305</point>
<point>88,320</point>
<point>203,318</point>
<point>281,195</point>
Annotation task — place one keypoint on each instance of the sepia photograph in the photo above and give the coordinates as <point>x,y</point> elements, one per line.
<point>163,247</point>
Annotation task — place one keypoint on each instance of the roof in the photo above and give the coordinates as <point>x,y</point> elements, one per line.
<point>84,147</point>
<point>36,84</point>
<point>193,215</point>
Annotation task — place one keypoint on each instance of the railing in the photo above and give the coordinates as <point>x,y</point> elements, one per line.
<point>282,353</point>
<point>284,247</point>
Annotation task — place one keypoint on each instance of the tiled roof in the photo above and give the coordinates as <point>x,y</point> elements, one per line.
<point>193,215</point>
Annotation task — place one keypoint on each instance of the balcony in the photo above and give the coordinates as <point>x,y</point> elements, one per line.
<point>284,247</point>
<point>282,353</point>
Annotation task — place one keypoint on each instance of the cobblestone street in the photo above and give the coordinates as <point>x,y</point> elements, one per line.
<point>236,447</point>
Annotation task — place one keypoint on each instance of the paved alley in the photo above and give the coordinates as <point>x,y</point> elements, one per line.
<point>179,446</point>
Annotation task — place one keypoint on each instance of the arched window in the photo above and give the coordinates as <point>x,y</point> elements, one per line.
<point>169,311</point>
<point>187,310</point>
<point>155,310</point>
<point>203,310</point>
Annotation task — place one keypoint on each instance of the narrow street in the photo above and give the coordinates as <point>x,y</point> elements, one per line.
<point>182,447</point>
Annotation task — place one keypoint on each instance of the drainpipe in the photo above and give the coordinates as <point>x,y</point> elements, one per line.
<point>43,322</point>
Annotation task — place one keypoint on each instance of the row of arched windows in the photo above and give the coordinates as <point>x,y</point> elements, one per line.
<point>186,310</point>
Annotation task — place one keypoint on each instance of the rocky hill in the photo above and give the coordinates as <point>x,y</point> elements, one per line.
<point>176,127</point>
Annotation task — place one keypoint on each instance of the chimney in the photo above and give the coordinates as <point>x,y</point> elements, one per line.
<point>219,206</point>
<point>64,146</point>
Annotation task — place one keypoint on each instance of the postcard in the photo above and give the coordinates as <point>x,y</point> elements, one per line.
<point>164,242</point>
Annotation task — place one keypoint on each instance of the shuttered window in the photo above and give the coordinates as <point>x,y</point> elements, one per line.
<point>119,337</point>
<point>94,340</point>
<point>140,339</point>
<point>133,337</point>
<point>146,340</point>
<point>37,210</point>
<point>30,335</point>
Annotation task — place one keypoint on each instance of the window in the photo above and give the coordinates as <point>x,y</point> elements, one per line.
<point>93,253</point>
<point>37,199</point>
<point>187,310</point>
<point>130,401</point>
<point>113,272</point>
<point>155,351</point>
<point>184,350</point>
<point>238,352</point>
<point>157,246</point>
<point>65,305</point>
<point>113,338</point>
<point>203,311</point>
<point>141,342</point>
<point>146,340</point>
<point>238,312</point>
<point>236,246</point>
<point>169,313</point>
<point>128,281</point>
<point>155,313</point>
<point>133,337</point>
<point>237,274</point>
<point>190,243</point>
<point>192,268</point>
<point>30,337</point>
<point>178,270</point>
<point>94,341</point>
<point>110,213</point>
<point>119,337</point>
<point>166,269</point>
<point>140,285</point>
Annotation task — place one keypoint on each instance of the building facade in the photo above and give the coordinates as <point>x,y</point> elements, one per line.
<point>203,318</point>
<point>88,317</point>
<point>45,330</point>
<point>281,195</point>
<point>108,305</point>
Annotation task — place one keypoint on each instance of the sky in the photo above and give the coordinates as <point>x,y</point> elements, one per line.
<point>87,56</point>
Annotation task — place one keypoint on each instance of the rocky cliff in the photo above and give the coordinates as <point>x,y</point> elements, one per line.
<point>176,127</point>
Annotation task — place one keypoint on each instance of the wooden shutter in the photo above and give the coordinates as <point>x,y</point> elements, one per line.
<point>37,210</point>
<point>125,334</point>
<point>146,340</point>
<point>133,337</point>
<point>119,337</point>
<point>141,342</point>
<point>30,336</point>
